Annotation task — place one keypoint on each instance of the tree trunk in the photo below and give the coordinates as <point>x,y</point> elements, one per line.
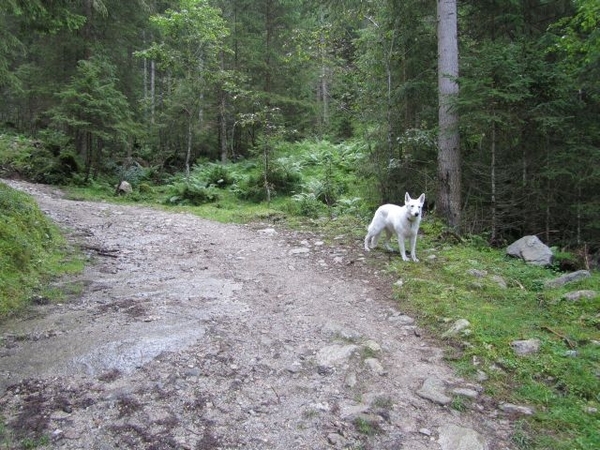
<point>223,127</point>
<point>152,90</point>
<point>494,226</point>
<point>388,98</point>
<point>188,153</point>
<point>223,117</point>
<point>449,172</point>
<point>323,90</point>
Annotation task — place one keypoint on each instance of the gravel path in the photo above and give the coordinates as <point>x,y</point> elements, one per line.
<point>190,334</point>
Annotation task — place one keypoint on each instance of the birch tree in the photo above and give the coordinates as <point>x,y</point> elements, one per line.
<point>189,54</point>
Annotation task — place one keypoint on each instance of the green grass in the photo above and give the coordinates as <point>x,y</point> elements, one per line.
<point>32,252</point>
<point>561,382</point>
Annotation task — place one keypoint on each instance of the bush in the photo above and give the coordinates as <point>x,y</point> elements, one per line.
<point>29,244</point>
<point>191,192</point>
<point>280,181</point>
<point>217,175</point>
<point>36,161</point>
<point>307,205</point>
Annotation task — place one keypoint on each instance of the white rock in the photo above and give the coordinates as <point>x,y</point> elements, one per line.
<point>516,409</point>
<point>375,366</point>
<point>454,437</point>
<point>336,354</point>
<point>457,327</point>
<point>433,389</point>
<point>526,346</point>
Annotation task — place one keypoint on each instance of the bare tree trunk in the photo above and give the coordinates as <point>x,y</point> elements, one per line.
<point>449,172</point>
<point>390,106</point>
<point>188,154</point>
<point>324,97</point>
<point>223,117</point>
<point>548,193</point>
<point>493,183</point>
<point>223,127</point>
<point>152,90</point>
<point>323,90</point>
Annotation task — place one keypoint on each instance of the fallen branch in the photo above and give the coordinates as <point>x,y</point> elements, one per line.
<point>568,341</point>
<point>110,253</point>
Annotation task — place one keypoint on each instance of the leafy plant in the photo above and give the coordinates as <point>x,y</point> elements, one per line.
<point>32,251</point>
<point>191,192</point>
<point>307,205</point>
<point>367,426</point>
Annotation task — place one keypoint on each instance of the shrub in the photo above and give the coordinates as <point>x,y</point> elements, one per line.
<point>36,161</point>
<point>29,246</point>
<point>213,174</point>
<point>280,181</point>
<point>307,205</point>
<point>191,192</point>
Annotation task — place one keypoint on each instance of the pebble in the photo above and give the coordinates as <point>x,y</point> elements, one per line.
<point>516,409</point>
<point>375,366</point>
<point>433,389</point>
<point>465,392</point>
<point>526,346</point>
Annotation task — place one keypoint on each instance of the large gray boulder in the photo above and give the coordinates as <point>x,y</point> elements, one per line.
<point>531,250</point>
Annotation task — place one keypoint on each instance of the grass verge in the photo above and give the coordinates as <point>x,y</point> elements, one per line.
<point>32,253</point>
<point>505,300</point>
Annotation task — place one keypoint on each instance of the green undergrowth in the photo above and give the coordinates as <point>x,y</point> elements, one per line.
<point>505,300</point>
<point>306,181</point>
<point>32,253</point>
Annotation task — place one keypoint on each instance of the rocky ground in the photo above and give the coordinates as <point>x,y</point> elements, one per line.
<point>190,334</point>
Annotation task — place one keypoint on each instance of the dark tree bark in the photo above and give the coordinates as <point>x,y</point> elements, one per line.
<point>449,172</point>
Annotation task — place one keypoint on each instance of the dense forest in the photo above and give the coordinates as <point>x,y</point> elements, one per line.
<point>106,85</point>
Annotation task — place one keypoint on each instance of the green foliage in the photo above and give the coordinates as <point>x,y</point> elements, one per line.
<point>366,425</point>
<point>136,174</point>
<point>214,174</point>
<point>308,205</point>
<point>31,250</point>
<point>94,112</point>
<point>578,36</point>
<point>278,180</point>
<point>191,192</point>
<point>92,103</point>
<point>36,160</point>
<point>191,30</point>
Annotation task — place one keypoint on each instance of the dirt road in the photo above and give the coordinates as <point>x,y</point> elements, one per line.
<point>191,334</point>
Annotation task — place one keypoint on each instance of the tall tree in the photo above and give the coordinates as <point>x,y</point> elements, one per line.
<point>449,171</point>
<point>189,55</point>
<point>94,112</point>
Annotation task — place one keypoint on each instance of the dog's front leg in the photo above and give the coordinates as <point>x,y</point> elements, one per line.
<point>413,248</point>
<point>402,248</point>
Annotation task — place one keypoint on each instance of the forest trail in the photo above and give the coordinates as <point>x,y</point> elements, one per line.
<point>191,334</point>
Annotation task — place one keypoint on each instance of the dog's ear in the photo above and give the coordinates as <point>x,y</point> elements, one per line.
<point>406,199</point>
<point>422,198</point>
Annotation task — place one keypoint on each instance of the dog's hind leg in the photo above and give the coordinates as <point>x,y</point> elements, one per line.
<point>371,239</point>
<point>388,236</point>
<point>368,243</point>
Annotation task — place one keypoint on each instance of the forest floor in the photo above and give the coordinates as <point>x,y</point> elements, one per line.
<point>191,334</point>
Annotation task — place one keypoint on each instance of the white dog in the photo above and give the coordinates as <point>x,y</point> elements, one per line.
<point>404,221</point>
